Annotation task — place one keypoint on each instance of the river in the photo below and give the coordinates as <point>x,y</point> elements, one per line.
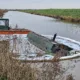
<point>43,25</point>
<point>48,26</point>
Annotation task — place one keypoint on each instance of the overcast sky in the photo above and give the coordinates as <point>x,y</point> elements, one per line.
<point>38,4</point>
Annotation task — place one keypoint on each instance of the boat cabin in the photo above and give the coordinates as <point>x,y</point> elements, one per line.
<point>47,45</point>
<point>4,24</point>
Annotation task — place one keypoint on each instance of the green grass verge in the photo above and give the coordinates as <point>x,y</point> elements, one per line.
<point>72,15</point>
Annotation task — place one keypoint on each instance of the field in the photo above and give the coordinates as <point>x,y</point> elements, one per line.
<point>71,15</point>
<point>2,12</point>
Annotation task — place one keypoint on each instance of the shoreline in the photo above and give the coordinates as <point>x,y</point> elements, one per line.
<point>52,15</point>
<point>60,17</point>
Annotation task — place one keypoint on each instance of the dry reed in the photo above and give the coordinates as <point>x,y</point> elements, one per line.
<point>11,69</point>
<point>2,12</point>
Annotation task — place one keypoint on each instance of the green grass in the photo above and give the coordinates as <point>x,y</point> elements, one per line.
<point>75,13</point>
<point>3,78</point>
<point>66,14</point>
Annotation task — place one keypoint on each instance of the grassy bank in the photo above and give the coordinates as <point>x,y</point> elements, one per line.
<point>71,15</point>
<point>2,12</point>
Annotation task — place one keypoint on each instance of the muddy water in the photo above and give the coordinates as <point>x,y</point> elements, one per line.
<point>49,26</point>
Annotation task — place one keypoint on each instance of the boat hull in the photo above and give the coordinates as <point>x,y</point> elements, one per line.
<point>58,39</point>
<point>75,53</point>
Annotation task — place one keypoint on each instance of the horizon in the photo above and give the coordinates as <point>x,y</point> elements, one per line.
<point>39,4</point>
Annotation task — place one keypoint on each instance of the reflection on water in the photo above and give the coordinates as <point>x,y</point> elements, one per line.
<point>43,25</point>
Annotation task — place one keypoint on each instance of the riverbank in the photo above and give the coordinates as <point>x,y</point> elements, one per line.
<point>70,15</point>
<point>2,12</point>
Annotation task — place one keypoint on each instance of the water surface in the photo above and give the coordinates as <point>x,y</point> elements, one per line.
<point>43,25</point>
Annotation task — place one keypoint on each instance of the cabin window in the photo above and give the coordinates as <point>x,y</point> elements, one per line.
<point>2,23</point>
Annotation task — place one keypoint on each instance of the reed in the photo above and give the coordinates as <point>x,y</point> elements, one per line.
<point>12,69</point>
<point>2,12</point>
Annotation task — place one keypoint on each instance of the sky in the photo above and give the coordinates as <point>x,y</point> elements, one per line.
<point>38,4</point>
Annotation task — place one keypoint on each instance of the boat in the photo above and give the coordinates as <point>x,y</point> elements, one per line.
<point>51,45</point>
<point>6,29</point>
<point>68,48</point>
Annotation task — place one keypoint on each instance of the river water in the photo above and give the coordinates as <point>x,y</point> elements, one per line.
<point>48,26</point>
<point>43,25</point>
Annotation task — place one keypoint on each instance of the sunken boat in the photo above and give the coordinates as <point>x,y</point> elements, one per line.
<point>66,48</point>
